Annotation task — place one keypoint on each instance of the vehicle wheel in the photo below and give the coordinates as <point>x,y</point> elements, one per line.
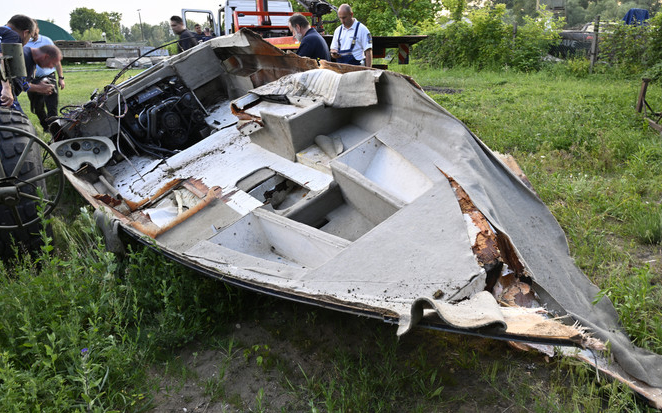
<point>22,177</point>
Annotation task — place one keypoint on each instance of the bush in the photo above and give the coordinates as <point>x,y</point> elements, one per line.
<point>654,49</point>
<point>66,342</point>
<point>493,37</point>
<point>485,41</point>
<point>632,49</point>
<point>441,48</point>
<point>79,326</point>
<point>532,41</point>
<point>626,47</point>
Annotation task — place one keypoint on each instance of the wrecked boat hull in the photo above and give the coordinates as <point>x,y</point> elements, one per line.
<point>336,186</point>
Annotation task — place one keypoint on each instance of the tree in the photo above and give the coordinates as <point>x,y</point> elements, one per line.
<point>579,12</point>
<point>456,8</point>
<point>82,19</point>
<point>90,35</point>
<point>155,35</point>
<point>383,16</point>
<point>113,29</point>
<point>520,8</point>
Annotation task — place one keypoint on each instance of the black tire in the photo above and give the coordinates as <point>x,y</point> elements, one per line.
<point>12,146</point>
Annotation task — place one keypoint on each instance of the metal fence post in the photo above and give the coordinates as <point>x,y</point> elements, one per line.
<point>594,43</point>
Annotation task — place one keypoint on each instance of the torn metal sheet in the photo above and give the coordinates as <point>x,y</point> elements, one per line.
<point>346,188</point>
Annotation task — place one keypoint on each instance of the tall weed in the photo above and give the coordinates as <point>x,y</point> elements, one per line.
<point>79,325</point>
<point>654,46</point>
<point>532,41</point>
<point>64,337</point>
<point>648,225</point>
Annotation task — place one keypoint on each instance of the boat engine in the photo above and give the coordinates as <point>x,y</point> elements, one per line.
<point>165,115</point>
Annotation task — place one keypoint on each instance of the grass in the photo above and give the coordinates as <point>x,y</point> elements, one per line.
<point>81,328</point>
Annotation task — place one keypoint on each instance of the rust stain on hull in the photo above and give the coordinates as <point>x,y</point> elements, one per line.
<point>108,200</point>
<point>147,227</point>
<point>134,206</point>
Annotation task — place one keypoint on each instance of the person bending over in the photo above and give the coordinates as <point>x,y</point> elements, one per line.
<point>312,44</point>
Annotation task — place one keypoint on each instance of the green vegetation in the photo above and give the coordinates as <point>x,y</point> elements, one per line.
<point>82,329</point>
<point>79,326</point>
<point>582,11</point>
<point>632,49</point>
<point>384,18</point>
<point>87,24</point>
<point>486,41</point>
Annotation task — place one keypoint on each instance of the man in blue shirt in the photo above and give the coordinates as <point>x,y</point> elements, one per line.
<point>39,100</point>
<point>312,44</point>
<point>17,30</point>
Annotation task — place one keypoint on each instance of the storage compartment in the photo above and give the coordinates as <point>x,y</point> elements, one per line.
<point>271,188</point>
<point>386,168</point>
<point>348,209</point>
<point>329,212</point>
<point>266,235</point>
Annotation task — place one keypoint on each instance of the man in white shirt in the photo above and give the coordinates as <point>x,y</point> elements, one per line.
<point>352,42</point>
<point>45,75</point>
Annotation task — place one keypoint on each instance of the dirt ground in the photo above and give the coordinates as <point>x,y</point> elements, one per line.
<point>262,362</point>
<point>297,338</point>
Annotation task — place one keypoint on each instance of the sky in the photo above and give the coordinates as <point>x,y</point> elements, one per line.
<point>151,11</point>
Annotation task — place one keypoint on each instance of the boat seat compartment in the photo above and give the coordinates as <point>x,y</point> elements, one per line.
<point>349,208</point>
<point>266,235</point>
<point>328,211</point>
<point>287,135</point>
<point>315,157</point>
<point>314,211</point>
<point>364,195</point>
<point>387,169</point>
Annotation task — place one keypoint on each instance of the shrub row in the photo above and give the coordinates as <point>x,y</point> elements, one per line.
<point>485,41</point>
<point>635,48</point>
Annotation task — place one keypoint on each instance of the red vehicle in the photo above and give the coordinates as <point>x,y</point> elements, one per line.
<point>269,19</point>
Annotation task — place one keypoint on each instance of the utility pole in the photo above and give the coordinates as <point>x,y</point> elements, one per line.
<point>142,33</point>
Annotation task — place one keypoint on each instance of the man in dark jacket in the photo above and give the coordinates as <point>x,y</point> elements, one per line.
<point>18,29</point>
<point>187,38</point>
<point>312,44</point>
